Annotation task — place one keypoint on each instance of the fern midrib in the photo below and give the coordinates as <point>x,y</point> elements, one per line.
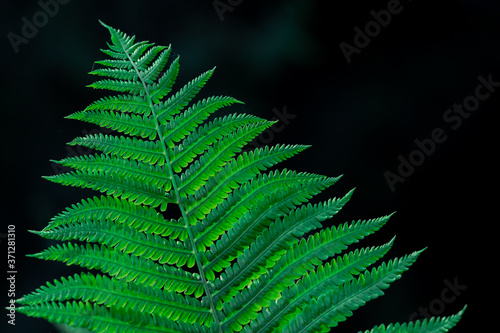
<point>175,187</point>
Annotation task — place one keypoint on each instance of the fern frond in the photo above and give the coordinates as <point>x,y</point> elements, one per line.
<point>246,229</point>
<point>335,306</point>
<point>123,103</point>
<point>121,146</point>
<point>99,319</point>
<point>143,127</point>
<point>116,73</point>
<point>139,192</point>
<point>236,173</point>
<point>200,140</point>
<point>177,102</point>
<point>302,258</point>
<point>214,159</point>
<point>121,211</point>
<point>160,89</point>
<point>181,126</point>
<point>237,203</point>
<point>124,266</point>
<point>155,175</point>
<point>433,325</point>
<point>312,285</point>
<point>111,292</point>
<point>117,63</point>
<point>126,239</point>
<point>132,87</point>
<point>244,250</point>
<point>271,245</point>
<point>307,254</point>
<point>150,73</point>
<point>148,57</point>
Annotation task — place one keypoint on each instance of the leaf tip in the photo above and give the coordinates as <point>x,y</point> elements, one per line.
<point>105,25</point>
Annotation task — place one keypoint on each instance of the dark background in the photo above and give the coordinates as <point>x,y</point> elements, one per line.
<point>358,117</point>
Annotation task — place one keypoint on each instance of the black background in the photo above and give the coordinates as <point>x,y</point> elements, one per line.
<point>275,55</point>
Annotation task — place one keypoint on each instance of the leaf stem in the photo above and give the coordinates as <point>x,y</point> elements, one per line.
<point>175,187</point>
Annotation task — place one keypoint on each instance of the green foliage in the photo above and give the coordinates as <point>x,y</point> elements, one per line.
<point>247,252</point>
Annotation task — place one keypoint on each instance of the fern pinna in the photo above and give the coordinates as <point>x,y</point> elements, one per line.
<point>237,258</point>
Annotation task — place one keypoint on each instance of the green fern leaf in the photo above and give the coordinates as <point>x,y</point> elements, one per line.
<point>154,175</point>
<point>200,141</point>
<point>245,250</point>
<point>246,228</point>
<point>122,266</point>
<point>311,286</point>
<point>433,325</point>
<point>143,127</point>
<point>126,239</point>
<point>112,292</point>
<point>123,103</point>
<point>100,319</point>
<point>121,211</point>
<point>177,102</point>
<point>335,306</point>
